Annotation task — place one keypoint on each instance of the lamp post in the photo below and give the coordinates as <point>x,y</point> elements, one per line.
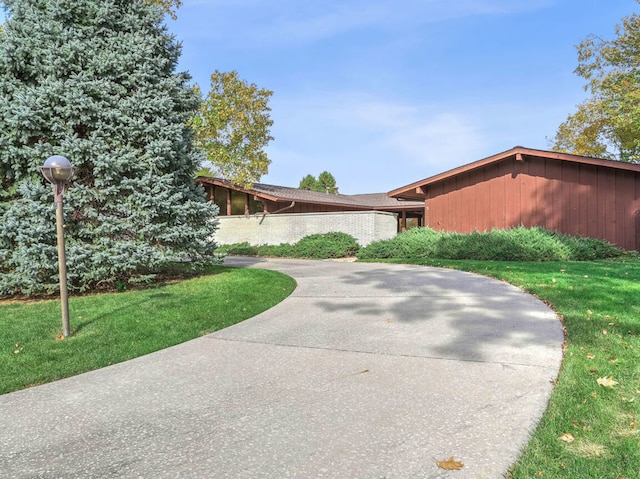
<point>58,171</point>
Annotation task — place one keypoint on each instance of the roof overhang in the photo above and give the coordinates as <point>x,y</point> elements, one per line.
<point>419,189</point>
<point>226,184</point>
<point>326,200</point>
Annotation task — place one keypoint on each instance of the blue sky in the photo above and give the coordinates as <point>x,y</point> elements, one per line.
<point>383,93</point>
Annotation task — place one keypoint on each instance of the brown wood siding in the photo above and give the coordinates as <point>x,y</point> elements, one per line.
<point>572,198</point>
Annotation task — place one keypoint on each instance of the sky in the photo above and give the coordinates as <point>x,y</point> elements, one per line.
<point>383,93</point>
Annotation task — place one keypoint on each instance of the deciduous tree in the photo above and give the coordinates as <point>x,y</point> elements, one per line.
<point>95,81</point>
<point>607,125</point>
<point>232,128</point>
<point>167,6</point>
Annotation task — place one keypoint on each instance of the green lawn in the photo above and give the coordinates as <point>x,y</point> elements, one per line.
<point>110,328</point>
<point>589,430</point>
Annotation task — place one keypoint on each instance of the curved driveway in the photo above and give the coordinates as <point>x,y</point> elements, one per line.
<point>366,371</point>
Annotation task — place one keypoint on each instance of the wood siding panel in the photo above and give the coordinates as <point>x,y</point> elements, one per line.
<point>528,196</point>
<point>465,204</point>
<point>636,213</point>
<point>513,172</point>
<point>491,175</point>
<point>435,204</point>
<point>553,195</point>
<point>536,208</point>
<point>625,193</point>
<point>479,200</point>
<point>588,201</point>
<point>572,198</point>
<point>606,193</point>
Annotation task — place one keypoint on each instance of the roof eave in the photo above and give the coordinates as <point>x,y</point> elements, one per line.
<point>417,190</point>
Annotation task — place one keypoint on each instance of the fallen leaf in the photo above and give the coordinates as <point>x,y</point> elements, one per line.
<point>591,356</point>
<point>633,424</point>
<point>450,464</point>
<point>604,331</point>
<point>607,382</point>
<point>594,395</point>
<point>567,437</point>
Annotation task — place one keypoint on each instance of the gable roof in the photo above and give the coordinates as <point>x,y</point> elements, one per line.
<point>371,201</point>
<point>414,190</point>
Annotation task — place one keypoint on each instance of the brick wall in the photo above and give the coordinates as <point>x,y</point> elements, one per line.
<point>364,226</point>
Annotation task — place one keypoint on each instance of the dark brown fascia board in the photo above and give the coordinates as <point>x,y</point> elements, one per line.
<point>412,191</point>
<point>258,194</point>
<point>226,184</point>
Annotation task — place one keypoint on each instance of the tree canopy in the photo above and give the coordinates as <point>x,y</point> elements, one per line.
<point>607,125</point>
<point>232,128</point>
<point>167,6</point>
<point>325,183</point>
<point>95,81</point>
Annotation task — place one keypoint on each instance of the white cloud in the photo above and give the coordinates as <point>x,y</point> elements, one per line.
<point>368,144</point>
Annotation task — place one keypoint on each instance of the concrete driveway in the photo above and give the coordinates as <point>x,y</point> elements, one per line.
<point>365,371</point>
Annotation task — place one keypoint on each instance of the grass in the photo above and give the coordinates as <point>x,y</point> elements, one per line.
<point>110,328</point>
<point>599,302</point>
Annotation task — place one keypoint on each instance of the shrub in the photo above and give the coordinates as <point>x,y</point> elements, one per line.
<point>516,244</point>
<point>242,249</point>
<point>415,243</point>
<point>328,245</point>
<point>317,246</point>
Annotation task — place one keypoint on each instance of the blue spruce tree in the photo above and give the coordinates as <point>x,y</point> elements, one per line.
<point>96,81</point>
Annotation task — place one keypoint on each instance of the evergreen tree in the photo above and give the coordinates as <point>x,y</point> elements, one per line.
<point>309,182</point>
<point>325,183</point>
<point>95,81</point>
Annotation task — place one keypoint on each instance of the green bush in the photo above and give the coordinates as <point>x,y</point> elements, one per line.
<point>242,249</point>
<point>415,243</point>
<point>329,245</point>
<point>317,246</point>
<point>516,244</point>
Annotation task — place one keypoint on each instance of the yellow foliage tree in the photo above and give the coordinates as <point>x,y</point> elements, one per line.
<point>607,125</point>
<point>167,6</point>
<point>232,128</point>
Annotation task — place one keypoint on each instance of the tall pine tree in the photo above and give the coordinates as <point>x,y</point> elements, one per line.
<point>96,81</point>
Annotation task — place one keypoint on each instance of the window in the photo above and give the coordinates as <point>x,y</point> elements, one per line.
<point>220,199</point>
<point>238,201</point>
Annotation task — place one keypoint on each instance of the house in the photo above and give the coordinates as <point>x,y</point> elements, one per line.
<point>270,214</point>
<point>571,194</point>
